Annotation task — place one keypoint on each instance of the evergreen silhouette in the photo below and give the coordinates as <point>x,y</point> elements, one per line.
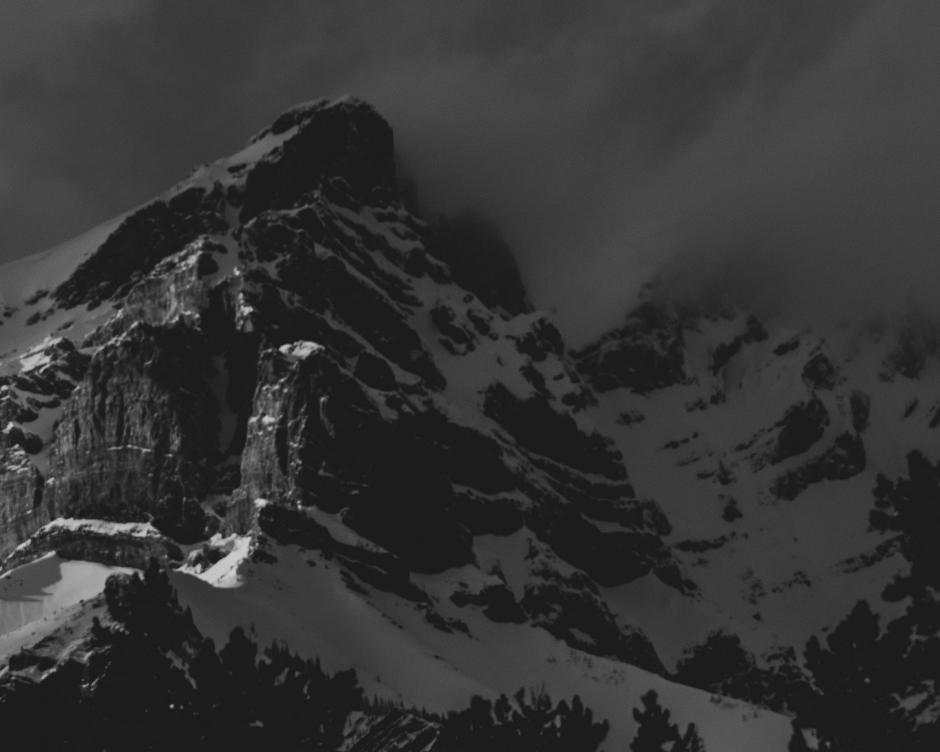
<point>798,741</point>
<point>721,664</point>
<point>654,731</point>
<point>911,506</point>
<point>151,682</point>
<point>691,741</point>
<point>850,705</point>
<point>529,722</point>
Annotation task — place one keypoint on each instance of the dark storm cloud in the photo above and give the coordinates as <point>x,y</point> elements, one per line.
<point>105,102</point>
<point>822,201</point>
<point>785,148</point>
<point>680,74</point>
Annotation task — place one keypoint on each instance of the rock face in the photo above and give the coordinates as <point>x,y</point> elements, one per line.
<point>115,544</point>
<point>30,400</point>
<point>801,427</point>
<point>481,261</point>
<point>280,330</point>
<point>22,507</point>
<point>317,438</point>
<point>647,353</point>
<point>139,243</point>
<point>844,459</point>
<point>819,372</point>
<point>343,143</point>
<point>309,434</point>
<point>138,436</point>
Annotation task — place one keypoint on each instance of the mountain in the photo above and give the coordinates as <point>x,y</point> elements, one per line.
<point>344,427</point>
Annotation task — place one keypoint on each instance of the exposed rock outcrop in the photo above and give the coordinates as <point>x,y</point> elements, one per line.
<point>307,417</point>
<point>647,353</point>
<point>801,427</point>
<point>754,331</point>
<point>344,142</point>
<point>115,544</point>
<point>138,437</point>
<point>142,240</point>
<point>844,459</point>
<point>481,261</point>
<point>23,508</point>
<point>819,372</point>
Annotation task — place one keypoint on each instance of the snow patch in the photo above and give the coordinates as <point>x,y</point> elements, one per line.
<point>103,527</point>
<point>300,350</point>
<point>34,596</point>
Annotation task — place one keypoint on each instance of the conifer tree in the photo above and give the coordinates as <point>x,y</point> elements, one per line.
<point>528,722</point>
<point>720,664</point>
<point>654,731</point>
<point>911,506</point>
<point>854,674</point>
<point>691,741</point>
<point>798,741</point>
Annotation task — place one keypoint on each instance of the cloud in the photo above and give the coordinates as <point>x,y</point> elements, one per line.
<point>781,149</point>
<point>820,202</point>
<point>104,103</point>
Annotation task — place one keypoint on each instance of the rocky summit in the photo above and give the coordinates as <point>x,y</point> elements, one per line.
<point>344,430</point>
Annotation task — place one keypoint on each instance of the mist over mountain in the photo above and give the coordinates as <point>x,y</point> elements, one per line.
<point>780,147</point>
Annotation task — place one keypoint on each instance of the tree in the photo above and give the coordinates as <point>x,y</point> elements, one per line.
<point>691,741</point>
<point>474,723</point>
<point>209,679</point>
<point>577,729</point>
<point>911,506</point>
<point>150,681</point>
<point>654,730</point>
<point>721,664</point>
<point>798,741</point>
<point>527,722</point>
<point>301,706</point>
<point>850,705</point>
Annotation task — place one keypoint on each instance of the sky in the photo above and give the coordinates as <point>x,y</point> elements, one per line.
<point>784,152</point>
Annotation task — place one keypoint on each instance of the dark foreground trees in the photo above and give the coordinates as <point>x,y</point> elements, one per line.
<point>656,732</point>
<point>146,679</point>
<point>874,687</point>
<point>528,722</point>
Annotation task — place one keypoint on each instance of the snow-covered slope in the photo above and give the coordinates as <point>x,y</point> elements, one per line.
<point>303,599</point>
<point>763,444</point>
<point>36,597</point>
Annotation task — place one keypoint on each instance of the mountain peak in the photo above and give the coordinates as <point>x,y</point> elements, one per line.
<point>342,148</point>
<point>324,141</point>
<point>299,115</point>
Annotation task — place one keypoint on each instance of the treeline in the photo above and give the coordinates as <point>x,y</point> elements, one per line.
<point>531,722</point>
<point>147,679</point>
<point>151,681</point>
<point>866,686</point>
<point>875,687</point>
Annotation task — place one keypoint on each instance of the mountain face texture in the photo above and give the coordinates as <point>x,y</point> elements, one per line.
<point>345,428</point>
